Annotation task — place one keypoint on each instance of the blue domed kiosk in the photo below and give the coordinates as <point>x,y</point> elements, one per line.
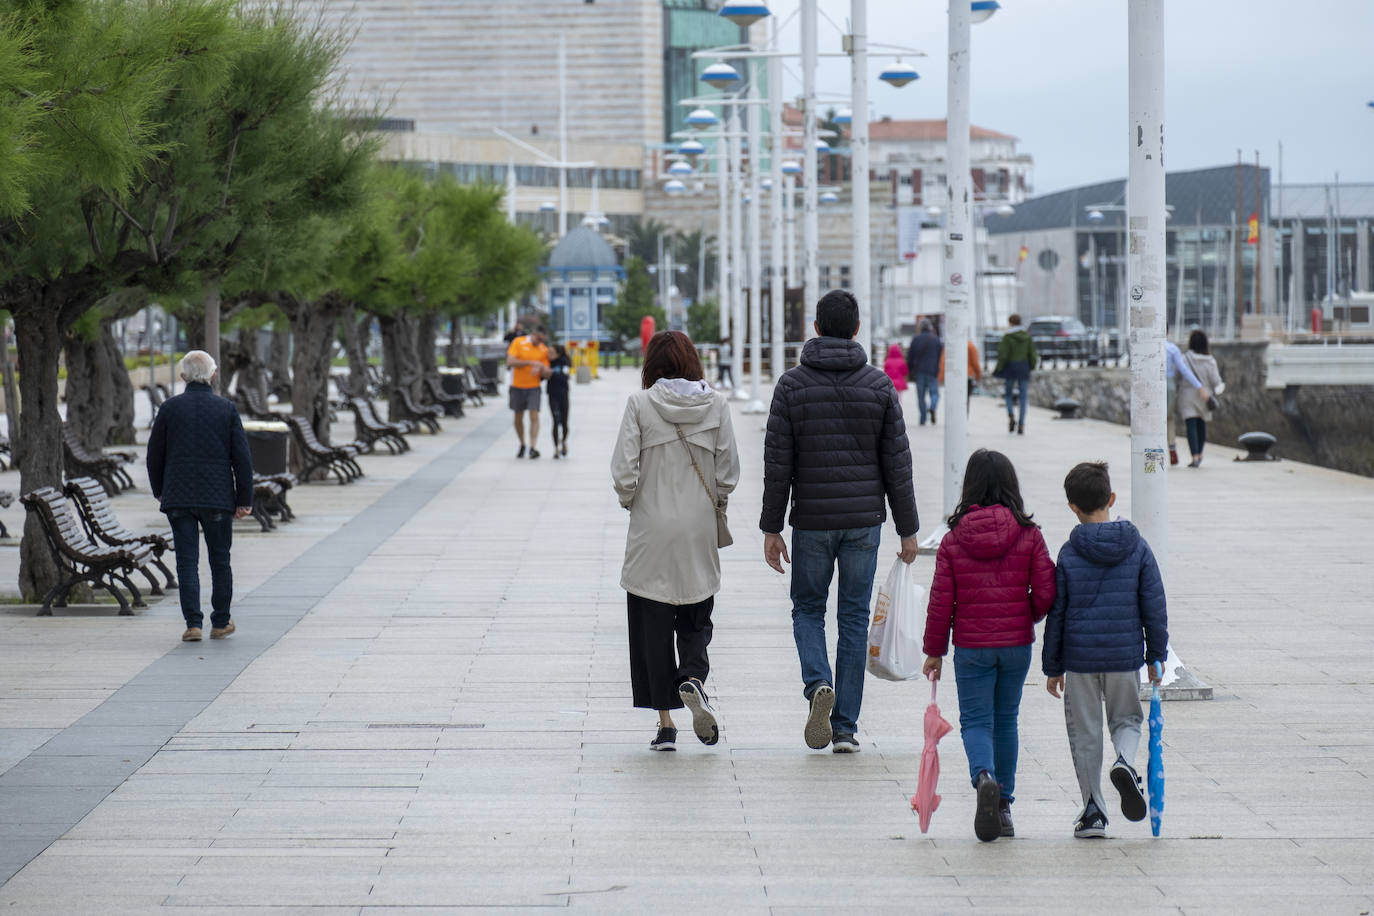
<point>583,280</point>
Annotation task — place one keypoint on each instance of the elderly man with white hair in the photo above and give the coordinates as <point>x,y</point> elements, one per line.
<point>201,472</point>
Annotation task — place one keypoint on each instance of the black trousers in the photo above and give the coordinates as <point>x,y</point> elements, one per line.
<point>655,672</point>
<point>558,409</point>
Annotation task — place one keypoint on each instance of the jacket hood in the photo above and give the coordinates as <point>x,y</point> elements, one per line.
<point>681,401</point>
<point>986,532</point>
<point>895,352</point>
<point>832,354</point>
<point>1022,331</point>
<point>1105,543</point>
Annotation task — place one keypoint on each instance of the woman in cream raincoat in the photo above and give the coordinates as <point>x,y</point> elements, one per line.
<point>675,461</point>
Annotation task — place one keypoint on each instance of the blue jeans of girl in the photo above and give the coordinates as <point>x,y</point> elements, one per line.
<point>990,682</point>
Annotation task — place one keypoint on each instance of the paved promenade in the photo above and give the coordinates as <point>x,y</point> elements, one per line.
<point>426,707</point>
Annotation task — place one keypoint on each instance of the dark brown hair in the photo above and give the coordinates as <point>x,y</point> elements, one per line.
<point>990,480</point>
<point>1088,486</point>
<point>670,354</point>
<point>1197,342</point>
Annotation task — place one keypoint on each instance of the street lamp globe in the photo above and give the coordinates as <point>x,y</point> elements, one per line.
<point>791,167</point>
<point>766,184</point>
<point>680,168</point>
<point>844,116</point>
<point>829,197</point>
<point>702,118</point>
<point>1005,210</point>
<point>720,75</point>
<point>743,13</point>
<point>1095,216</point>
<point>898,74</point>
<point>822,146</point>
<point>691,148</point>
<point>673,186</point>
<point>548,206</point>
<point>982,10</point>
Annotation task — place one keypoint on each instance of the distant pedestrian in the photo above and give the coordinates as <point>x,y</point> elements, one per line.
<point>1193,408</point>
<point>674,466</point>
<point>515,331</point>
<point>896,368</point>
<point>1176,368</point>
<point>1108,619</point>
<point>201,473</point>
<point>975,371</point>
<point>725,373</point>
<point>1016,360</point>
<point>528,359</point>
<point>559,371</point>
<point>836,446</point>
<point>923,359</point>
<point>994,582</point>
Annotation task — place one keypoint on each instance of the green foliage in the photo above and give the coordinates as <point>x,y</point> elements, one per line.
<point>703,321</point>
<point>636,300</point>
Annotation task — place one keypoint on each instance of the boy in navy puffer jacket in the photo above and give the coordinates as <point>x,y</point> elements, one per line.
<point>1108,618</point>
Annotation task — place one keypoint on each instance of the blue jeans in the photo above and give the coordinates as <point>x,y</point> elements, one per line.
<point>927,388</point>
<point>1022,388</point>
<point>815,554</point>
<point>990,682</point>
<point>218,525</point>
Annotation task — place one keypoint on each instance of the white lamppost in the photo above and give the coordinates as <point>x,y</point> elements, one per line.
<point>858,170</point>
<point>811,230</point>
<point>958,244</point>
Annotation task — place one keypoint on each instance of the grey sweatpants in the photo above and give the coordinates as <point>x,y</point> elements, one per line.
<point>1084,697</point>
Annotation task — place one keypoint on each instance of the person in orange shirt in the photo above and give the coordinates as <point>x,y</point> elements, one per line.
<point>528,359</point>
<point>975,371</point>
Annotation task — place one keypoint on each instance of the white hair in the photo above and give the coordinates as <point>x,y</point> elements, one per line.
<point>198,366</point>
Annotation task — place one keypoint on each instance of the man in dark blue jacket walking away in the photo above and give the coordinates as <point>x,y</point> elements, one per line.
<point>836,446</point>
<point>200,470</point>
<point>923,362</point>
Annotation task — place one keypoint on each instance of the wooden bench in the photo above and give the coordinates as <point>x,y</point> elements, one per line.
<point>450,404</point>
<point>106,468</point>
<point>78,558</point>
<point>101,524</point>
<point>371,429</point>
<point>338,460</point>
<point>423,414</point>
<point>269,499</point>
<point>6,500</point>
<point>251,403</point>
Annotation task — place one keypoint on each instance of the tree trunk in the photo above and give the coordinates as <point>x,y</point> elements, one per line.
<point>212,315</point>
<point>356,332</point>
<point>312,328</point>
<point>462,354</point>
<point>11,384</point>
<point>193,324</point>
<point>279,363</point>
<point>426,350</point>
<point>453,353</point>
<point>39,449</point>
<point>100,397</point>
<point>399,361</point>
<point>122,430</point>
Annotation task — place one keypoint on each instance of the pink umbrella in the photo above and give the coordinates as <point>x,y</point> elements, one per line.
<point>926,800</point>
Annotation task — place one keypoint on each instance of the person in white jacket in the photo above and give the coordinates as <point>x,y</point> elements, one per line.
<point>674,465</point>
<point>1195,404</point>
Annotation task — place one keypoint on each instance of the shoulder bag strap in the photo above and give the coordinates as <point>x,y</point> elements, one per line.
<point>696,467</point>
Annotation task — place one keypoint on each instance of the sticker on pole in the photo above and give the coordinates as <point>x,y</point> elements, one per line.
<point>1154,461</point>
<point>956,279</point>
<point>1137,293</point>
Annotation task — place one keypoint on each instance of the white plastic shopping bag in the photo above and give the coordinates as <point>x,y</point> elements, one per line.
<point>895,635</point>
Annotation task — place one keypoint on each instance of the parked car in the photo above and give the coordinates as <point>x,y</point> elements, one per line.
<point>1064,338</point>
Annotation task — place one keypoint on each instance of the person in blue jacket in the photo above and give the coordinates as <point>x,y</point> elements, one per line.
<point>200,471</point>
<point>1109,618</point>
<point>923,362</point>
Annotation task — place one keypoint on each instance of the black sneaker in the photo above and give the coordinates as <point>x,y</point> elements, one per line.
<point>1011,423</point>
<point>1091,824</point>
<point>703,715</point>
<point>1020,431</point>
<point>534,452</point>
<point>1004,815</point>
<point>844,743</point>
<point>521,453</point>
<point>1127,782</point>
<point>932,416</point>
<point>564,451</point>
<point>987,824</point>
<point>818,731</point>
<point>665,740</point>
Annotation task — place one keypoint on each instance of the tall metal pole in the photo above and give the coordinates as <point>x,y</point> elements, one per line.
<point>811,230</point>
<point>776,292</point>
<point>755,232</point>
<point>858,145</point>
<point>1146,273</point>
<point>562,136</point>
<point>789,241</point>
<point>958,254</point>
<point>510,217</point>
<point>736,255</point>
<point>723,238</point>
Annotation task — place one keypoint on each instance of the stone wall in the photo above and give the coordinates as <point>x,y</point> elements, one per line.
<point>1331,426</point>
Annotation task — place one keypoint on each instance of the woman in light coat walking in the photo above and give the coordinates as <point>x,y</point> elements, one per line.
<point>1192,408</point>
<point>674,465</point>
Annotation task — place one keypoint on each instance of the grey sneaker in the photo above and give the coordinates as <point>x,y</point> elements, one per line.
<point>818,720</point>
<point>703,714</point>
<point>1127,782</point>
<point>1091,824</point>
<point>844,743</point>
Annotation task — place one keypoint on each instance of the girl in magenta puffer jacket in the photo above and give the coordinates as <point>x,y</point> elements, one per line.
<point>895,367</point>
<point>994,580</point>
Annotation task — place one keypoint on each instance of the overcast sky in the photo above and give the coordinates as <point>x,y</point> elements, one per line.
<point>1239,74</point>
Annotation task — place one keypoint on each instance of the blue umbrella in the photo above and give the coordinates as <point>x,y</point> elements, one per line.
<point>1156,770</point>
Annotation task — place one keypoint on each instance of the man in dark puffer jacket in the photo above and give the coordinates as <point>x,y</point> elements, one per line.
<point>1108,618</point>
<point>837,445</point>
<point>200,470</point>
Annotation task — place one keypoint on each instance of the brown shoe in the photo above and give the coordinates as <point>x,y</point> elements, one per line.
<point>221,632</point>
<point>192,634</point>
